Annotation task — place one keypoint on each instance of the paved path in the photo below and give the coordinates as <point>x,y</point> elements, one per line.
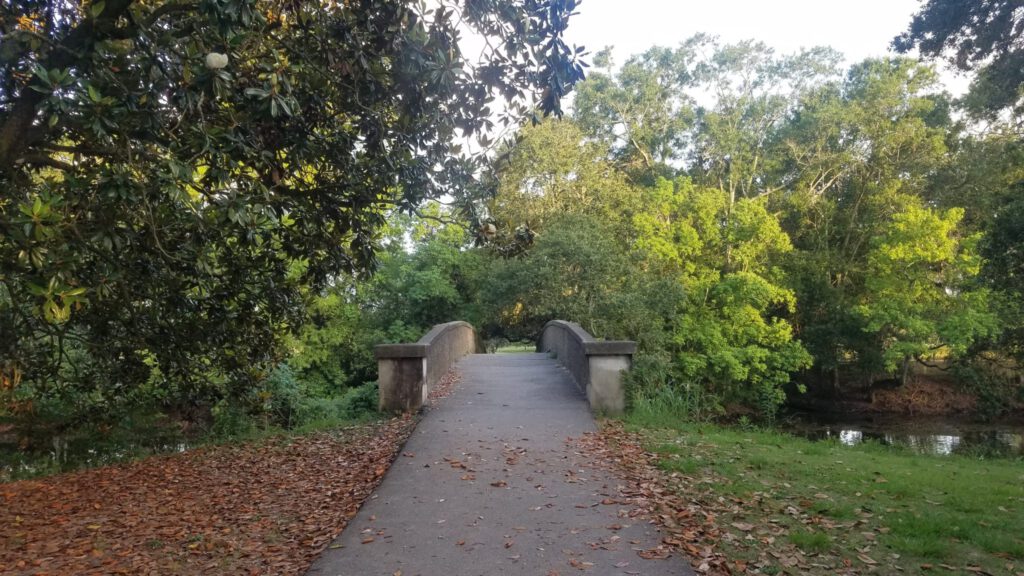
<point>488,485</point>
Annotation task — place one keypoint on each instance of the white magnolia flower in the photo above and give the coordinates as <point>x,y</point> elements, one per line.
<point>216,60</point>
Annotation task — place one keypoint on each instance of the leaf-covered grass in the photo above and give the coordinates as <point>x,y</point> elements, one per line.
<point>267,506</point>
<point>821,507</point>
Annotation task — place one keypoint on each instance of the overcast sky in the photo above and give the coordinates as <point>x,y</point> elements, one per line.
<point>857,28</point>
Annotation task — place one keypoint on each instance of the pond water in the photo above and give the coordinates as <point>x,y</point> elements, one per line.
<point>924,435</point>
<point>76,453</point>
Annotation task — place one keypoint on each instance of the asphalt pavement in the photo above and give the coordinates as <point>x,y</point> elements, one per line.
<point>489,484</point>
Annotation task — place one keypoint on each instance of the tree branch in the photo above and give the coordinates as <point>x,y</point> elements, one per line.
<point>44,160</point>
<point>76,47</point>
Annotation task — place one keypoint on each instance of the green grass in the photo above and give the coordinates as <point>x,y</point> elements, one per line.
<point>517,348</point>
<point>839,504</point>
<point>810,541</point>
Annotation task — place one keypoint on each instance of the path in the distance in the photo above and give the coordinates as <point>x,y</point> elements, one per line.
<point>488,485</point>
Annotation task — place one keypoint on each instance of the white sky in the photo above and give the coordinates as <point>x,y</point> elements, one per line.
<point>857,28</point>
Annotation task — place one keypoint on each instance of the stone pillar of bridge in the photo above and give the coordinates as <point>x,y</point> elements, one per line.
<point>597,366</point>
<point>406,372</point>
<point>401,377</point>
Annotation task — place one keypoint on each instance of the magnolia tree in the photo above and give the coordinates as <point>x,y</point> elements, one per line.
<point>175,175</point>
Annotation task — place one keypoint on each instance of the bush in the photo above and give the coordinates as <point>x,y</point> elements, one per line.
<point>656,397</point>
<point>320,410</point>
<point>362,401</point>
<point>232,420</point>
<point>280,396</point>
<point>997,391</point>
<point>355,404</point>
<point>284,401</point>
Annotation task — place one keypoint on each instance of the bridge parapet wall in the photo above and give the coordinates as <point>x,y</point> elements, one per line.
<point>407,372</point>
<point>595,365</point>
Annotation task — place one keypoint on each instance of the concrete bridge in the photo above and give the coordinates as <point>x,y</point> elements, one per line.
<point>490,482</point>
<point>407,372</point>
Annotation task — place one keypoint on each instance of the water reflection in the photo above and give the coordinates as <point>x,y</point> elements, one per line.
<point>73,454</point>
<point>939,437</point>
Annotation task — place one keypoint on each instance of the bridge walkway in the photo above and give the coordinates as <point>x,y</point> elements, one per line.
<point>488,484</point>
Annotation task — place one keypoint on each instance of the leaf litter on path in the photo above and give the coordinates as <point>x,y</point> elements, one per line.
<point>688,527</point>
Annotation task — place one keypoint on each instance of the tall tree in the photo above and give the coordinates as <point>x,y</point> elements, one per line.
<point>736,143</point>
<point>861,151</point>
<point>1003,248</point>
<point>982,36</point>
<point>733,335</point>
<point>173,173</point>
<point>922,298</point>
<point>642,111</point>
<point>985,37</point>
<point>551,170</point>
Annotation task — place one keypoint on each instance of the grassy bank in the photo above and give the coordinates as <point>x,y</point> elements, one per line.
<point>26,454</point>
<point>788,505</point>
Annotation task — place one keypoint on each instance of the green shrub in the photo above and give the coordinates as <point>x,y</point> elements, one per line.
<point>280,396</point>
<point>355,404</point>
<point>320,410</point>
<point>649,372</point>
<point>996,392</point>
<point>655,395</point>
<point>362,400</point>
<point>232,420</point>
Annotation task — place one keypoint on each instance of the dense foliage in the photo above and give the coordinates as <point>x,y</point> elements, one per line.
<point>193,194</point>
<point>975,35</point>
<point>821,230</point>
<point>177,178</point>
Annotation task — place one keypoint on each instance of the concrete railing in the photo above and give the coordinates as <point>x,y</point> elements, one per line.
<point>407,372</point>
<point>596,365</point>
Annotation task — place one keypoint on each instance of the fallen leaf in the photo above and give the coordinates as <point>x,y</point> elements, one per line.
<point>262,507</point>
<point>659,553</point>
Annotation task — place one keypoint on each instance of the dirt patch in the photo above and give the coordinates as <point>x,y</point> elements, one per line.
<point>925,396</point>
<point>267,507</point>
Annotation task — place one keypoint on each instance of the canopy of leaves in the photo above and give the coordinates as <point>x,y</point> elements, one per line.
<point>975,35</point>
<point>175,175</point>
<point>580,269</point>
<point>921,290</point>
